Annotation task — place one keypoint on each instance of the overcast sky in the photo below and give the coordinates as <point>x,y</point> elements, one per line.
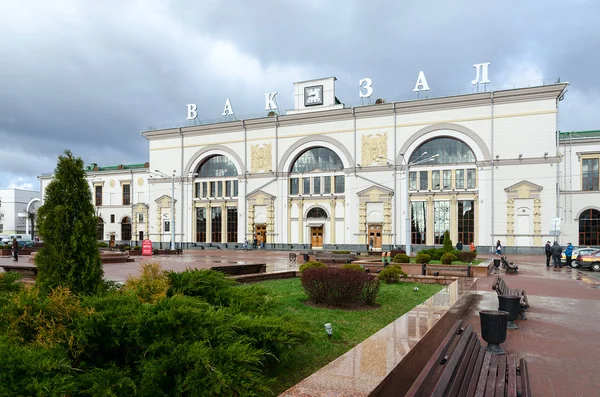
<point>91,75</point>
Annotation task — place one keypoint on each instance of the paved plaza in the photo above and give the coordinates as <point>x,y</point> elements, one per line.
<point>559,339</point>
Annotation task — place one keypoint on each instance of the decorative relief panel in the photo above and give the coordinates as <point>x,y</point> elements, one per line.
<point>261,159</point>
<point>374,146</point>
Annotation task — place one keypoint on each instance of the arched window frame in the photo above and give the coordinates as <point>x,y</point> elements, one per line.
<point>589,228</point>
<point>211,184</point>
<point>436,145</point>
<point>317,178</point>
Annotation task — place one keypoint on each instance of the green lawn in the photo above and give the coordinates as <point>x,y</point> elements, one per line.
<point>349,327</point>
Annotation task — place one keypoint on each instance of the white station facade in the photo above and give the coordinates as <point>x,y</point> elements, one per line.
<point>485,166</point>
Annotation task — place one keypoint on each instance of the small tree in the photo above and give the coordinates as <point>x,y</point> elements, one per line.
<point>67,223</point>
<point>447,242</point>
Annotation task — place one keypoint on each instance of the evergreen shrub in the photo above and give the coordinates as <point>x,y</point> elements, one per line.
<point>338,287</point>
<point>448,258</point>
<point>310,265</point>
<point>467,256</point>
<point>151,285</point>
<point>422,258</point>
<point>401,258</point>
<point>353,266</point>
<point>448,247</point>
<point>392,274</point>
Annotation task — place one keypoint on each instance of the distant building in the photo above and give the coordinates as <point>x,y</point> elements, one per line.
<point>15,202</point>
<point>485,166</point>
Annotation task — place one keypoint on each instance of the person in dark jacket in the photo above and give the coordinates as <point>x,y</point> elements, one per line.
<point>548,249</point>
<point>15,249</point>
<point>556,253</point>
<point>569,254</point>
<point>459,246</point>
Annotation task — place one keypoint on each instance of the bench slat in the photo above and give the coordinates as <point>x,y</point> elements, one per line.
<point>490,383</point>
<point>501,377</point>
<point>423,379</point>
<point>511,384</point>
<point>457,355</point>
<point>465,370</point>
<point>525,384</point>
<point>482,375</point>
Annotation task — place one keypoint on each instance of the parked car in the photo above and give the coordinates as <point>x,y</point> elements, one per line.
<point>578,251</point>
<point>591,260</point>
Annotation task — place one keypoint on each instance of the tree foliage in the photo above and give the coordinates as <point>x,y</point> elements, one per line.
<point>67,223</point>
<point>447,242</point>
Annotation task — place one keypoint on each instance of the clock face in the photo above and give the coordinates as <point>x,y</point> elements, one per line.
<point>313,95</point>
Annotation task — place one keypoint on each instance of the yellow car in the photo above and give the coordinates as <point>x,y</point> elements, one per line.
<point>578,251</point>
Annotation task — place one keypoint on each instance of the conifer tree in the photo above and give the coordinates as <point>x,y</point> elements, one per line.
<point>447,242</point>
<point>67,224</point>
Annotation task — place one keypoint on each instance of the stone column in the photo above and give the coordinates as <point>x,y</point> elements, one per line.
<point>429,221</point>
<point>387,222</point>
<point>289,220</point>
<point>209,223</point>
<point>300,221</point>
<point>332,204</point>
<point>159,224</point>
<point>224,222</point>
<point>250,230</point>
<point>362,223</point>
<point>510,223</point>
<point>271,222</point>
<point>454,219</point>
<point>537,222</point>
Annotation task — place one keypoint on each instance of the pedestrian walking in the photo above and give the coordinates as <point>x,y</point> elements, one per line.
<point>459,246</point>
<point>556,253</point>
<point>569,254</point>
<point>15,249</point>
<point>371,243</point>
<point>498,248</point>
<point>472,246</point>
<point>246,245</point>
<point>548,250</point>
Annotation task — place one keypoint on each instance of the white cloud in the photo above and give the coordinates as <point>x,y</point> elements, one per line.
<point>20,183</point>
<point>521,72</point>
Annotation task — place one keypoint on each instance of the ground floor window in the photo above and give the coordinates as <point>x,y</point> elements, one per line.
<point>100,229</point>
<point>589,228</point>
<point>215,224</point>
<point>232,224</point>
<point>466,221</point>
<point>126,229</point>
<point>441,220</point>
<point>418,222</point>
<point>200,225</point>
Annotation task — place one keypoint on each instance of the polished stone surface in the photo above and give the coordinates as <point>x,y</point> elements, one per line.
<point>362,370</point>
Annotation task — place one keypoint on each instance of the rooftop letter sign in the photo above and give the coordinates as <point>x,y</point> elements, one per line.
<point>365,90</point>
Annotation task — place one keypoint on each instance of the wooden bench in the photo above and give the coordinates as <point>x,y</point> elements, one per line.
<point>510,266</point>
<point>23,269</point>
<point>242,268</point>
<point>501,288</point>
<point>462,367</point>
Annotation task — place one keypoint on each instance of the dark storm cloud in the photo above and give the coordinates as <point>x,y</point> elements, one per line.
<point>90,76</point>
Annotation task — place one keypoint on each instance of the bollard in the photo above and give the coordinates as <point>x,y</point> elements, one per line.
<point>424,269</point>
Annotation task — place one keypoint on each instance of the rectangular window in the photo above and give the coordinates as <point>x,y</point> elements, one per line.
<point>232,224</point>
<point>589,174</point>
<point>435,180</point>
<point>167,227</point>
<point>317,185</point>
<point>294,186</point>
<point>305,185</point>
<point>112,218</point>
<point>98,196</point>
<point>219,189</point>
<point>441,220</point>
<point>460,179</point>
<point>200,225</point>
<point>215,224</point>
<point>235,188</point>
<point>126,194</point>
<point>447,180</point>
<point>141,235</point>
<point>140,218</point>
<point>197,190</point>
<point>466,221</point>
<point>204,189</point>
<point>418,224</point>
<point>326,184</point>
<point>339,184</point>
<point>228,188</point>
<point>412,180</point>
<point>423,182</point>
<point>213,189</point>
<point>471,179</point>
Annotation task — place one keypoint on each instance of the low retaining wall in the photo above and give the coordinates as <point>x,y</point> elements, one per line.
<point>251,278</point>
<point>388,362</point>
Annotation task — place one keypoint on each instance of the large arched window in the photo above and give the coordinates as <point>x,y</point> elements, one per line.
<point>216,166</point>
<point>589,228</point>
<point>449,151</point>
<point>317,212</point>
<point>326,173</point>
<point>126,229</point>
<point>318,158</point>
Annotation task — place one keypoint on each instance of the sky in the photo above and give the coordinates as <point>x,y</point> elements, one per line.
<point>90,76</point>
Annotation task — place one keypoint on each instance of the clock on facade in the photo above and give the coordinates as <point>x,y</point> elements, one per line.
<point>313,95</point>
